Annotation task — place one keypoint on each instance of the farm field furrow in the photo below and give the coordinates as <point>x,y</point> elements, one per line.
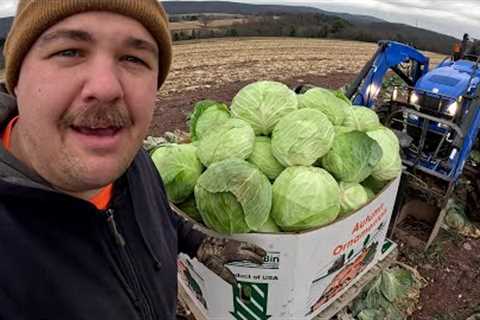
<point>213,63</point>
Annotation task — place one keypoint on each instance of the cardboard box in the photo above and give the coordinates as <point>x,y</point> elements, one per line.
<point>303,272</point>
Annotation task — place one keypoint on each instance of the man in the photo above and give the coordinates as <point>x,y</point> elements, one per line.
<point>85,227</point>
<point>471,47</point>
<point>474,50</point>
<point>464,45</point>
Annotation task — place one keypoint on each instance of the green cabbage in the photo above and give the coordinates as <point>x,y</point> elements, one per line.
<point>326,101</point>
<point>262,104</point>
<point>302,137</point>
<point>341,95</point>
<point>269,227</point>
<point>361,119</point>
<point>179,168</point>
<point>263,158</point>
<point>300,100</point>
<point>207,116</point>
<point>353,156</point>
<point>342,129</point>
<point>352,197</point>
<point>390,165</point>
<point>373,184</point>
<point>370,193</point>
<point>190,208</point>
<point>304,198</point>
<point>233,196</point>
<point>234,139</point>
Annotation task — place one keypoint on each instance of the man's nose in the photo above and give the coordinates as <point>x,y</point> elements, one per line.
<point>103,82</point>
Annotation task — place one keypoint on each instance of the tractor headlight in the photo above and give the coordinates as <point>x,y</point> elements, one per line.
<point>452,108</point>
<point>414,98</point>
<point>395,94</point>
<point>372,90</point>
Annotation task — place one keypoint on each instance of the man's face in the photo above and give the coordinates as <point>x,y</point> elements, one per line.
<point>86,94</point>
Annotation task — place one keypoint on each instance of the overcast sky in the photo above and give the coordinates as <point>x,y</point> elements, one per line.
<point>450,17</point>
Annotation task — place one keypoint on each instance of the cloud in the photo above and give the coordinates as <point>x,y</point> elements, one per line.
<point>7,7</point>
<point>449,17</point>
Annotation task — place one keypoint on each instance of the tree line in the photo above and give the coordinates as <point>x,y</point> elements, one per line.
<point>286,25</point>
<point>316,25</point>
<point>2,62</point>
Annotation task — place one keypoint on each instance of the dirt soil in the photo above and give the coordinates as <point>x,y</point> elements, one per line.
<point>452,268</point>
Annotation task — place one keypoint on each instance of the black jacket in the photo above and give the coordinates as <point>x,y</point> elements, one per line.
<point>61,258</point>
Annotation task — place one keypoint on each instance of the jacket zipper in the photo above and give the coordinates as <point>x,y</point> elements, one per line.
<point>142,301</point>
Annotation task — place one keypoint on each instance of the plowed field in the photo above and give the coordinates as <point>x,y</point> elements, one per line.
<point>218,68</point>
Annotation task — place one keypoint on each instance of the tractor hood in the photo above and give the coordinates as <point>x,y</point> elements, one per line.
<point>449,80</point>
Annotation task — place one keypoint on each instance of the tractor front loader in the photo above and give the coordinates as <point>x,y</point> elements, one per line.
<point>435,114</point>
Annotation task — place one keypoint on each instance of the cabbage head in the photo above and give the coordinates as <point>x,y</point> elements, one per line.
<point>207,116</point>
<point>304,198</point>
<point>190,208</point>
<point>234,139</point>
<point>300,100</point>
<point>326,101</point>
<point>352,197</point>
<point>341,95</point>
<point>263,158</point>
<point>179,168</point>
<point>370,193</point>
<point>342,129</point>
<point>361,119</point>
<point>353,156</point>
<point>390,165</point>
<point>233,196</point>
<point>373,184</point>
<point>262,104</point>
<point>302,137</point>
<point>269,227</point>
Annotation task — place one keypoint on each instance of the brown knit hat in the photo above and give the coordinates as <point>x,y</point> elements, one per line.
<point>35,16</point>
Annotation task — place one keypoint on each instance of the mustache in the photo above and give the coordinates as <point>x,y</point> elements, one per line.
<point>97,116</point>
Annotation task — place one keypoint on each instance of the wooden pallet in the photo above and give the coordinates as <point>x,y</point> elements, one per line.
<point>345,299</point>
<point>339,304</point>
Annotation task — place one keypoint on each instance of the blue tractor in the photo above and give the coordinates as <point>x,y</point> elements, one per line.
<point>434,112</point>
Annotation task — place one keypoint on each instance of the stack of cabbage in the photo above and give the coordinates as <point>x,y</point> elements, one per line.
<point>278,161</point>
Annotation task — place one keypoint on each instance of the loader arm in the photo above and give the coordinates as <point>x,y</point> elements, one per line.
<point>389,55</point>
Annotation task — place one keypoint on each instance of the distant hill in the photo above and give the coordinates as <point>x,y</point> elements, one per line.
<point>420,38</point>
<point>5,23</point>
<point>189,7</point>
<point>353,27</point>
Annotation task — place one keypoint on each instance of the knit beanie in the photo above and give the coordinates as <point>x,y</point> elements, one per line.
<point>36,16</point>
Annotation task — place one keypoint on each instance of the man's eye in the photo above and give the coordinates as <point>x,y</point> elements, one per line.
<point>68,53</point>
<point>135,60</point>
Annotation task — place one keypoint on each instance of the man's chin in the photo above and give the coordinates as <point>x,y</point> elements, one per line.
<point>99,171</point>
<point>89,172</point>
<point>99,181</point>
<point>86,190</point>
